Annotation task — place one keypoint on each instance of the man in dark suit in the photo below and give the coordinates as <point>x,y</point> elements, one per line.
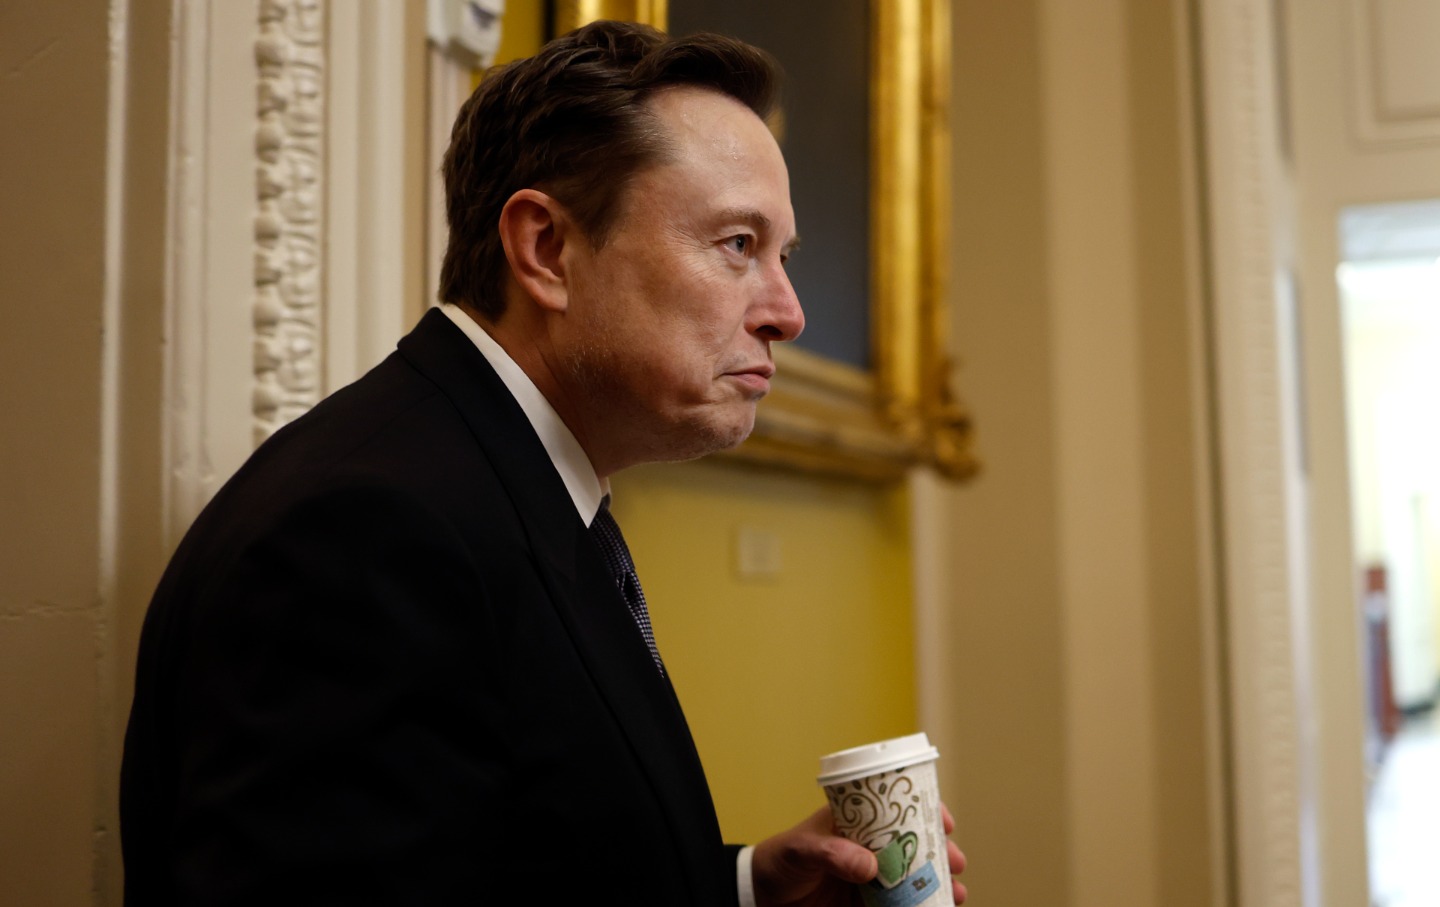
<point>402,657</point>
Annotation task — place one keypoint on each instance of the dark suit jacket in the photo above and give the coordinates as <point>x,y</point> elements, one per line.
<point>388,665</point>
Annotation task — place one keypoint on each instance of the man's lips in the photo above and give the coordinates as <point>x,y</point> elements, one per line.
<point>756,378</point>
<point>765,370</point>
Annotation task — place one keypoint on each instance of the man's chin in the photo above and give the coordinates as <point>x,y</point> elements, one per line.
<point>710,438</point>
<point>736,434</point>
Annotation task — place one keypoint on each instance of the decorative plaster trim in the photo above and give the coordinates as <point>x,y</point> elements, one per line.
<point>289,224</point>
<point>1263,539</point>
<point>285,227</point>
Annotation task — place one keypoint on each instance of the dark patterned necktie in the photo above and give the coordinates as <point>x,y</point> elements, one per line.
<point>617,555</point>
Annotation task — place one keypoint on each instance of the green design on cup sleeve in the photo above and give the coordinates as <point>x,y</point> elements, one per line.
<point>895,859</point>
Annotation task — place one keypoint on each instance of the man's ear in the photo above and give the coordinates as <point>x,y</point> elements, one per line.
<point>534,229</point>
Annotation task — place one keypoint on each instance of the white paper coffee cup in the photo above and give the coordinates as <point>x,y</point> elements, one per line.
<point>886,796</point>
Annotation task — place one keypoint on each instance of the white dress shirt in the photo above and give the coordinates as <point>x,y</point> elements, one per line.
<point>587,490</point>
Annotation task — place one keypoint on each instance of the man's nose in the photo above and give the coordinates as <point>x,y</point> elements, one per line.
<point>778,316</point>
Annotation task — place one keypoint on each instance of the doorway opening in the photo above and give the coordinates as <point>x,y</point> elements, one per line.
<point>1389,289</point>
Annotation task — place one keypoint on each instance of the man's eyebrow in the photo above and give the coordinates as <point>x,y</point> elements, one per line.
<point>752,216</point>
<point>757,219</point>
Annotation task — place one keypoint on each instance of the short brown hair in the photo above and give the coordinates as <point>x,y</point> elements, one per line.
<point>572,122</point>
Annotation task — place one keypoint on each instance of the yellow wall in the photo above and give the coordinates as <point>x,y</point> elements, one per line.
<point>522,30</point>
<point>775,673</point>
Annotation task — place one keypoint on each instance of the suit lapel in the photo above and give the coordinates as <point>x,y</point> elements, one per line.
<point>581,588</point>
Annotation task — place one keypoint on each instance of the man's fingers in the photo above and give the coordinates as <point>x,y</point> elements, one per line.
<point>957,866</point>
<point>959,892</point>
<point>957,858</point>
<point>799,860</point>
<point>844,859</point>
<point>948,819</point>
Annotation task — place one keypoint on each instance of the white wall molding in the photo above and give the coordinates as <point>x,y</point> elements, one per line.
<point>367,120</point>
<point>1282,853</point>
<point>931,500</point>
<point>183,277</point>
<point>209,249</point>
<point>1263,532</point>
<point>449,87</point>
<point>286,223</point>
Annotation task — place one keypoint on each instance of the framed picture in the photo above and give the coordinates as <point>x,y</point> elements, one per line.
<point>865,392</point>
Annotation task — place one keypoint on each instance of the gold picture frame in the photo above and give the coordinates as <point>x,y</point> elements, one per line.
<point>828,416</point>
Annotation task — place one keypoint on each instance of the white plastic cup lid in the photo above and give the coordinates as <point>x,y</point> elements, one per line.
<point>873,758</point>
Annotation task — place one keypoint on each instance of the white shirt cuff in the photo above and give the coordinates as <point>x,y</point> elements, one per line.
<point>742,876</point>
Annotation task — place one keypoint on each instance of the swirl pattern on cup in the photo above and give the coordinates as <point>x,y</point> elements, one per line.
<point>872,810</point>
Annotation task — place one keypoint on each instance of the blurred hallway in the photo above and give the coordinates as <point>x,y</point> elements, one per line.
<point>1404,818</point>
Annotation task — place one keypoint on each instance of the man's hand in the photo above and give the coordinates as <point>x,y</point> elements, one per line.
<point>811,866</point>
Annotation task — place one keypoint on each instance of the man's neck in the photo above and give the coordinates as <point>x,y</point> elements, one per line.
<point>567,453</point>
<point>524,336</point>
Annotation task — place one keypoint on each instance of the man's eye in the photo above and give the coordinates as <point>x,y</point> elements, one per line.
<point>739,243</point>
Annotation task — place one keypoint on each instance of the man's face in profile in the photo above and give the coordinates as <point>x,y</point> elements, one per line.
<point>676,312</point>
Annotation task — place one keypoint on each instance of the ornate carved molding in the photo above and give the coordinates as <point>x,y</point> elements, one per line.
<point>289,146</point>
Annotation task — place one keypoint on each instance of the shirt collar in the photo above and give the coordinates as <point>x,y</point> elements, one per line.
<point>587,490</point>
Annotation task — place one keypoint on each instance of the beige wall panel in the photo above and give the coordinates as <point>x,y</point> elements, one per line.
<point>48,710</point>
<point>1404,55</point>
<point>1394,68</point>
<point>1081,684</point>
<point>52,154</point>
<point>1004,766</point>
<point>1094,331</point>
<point>1180,579</point>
